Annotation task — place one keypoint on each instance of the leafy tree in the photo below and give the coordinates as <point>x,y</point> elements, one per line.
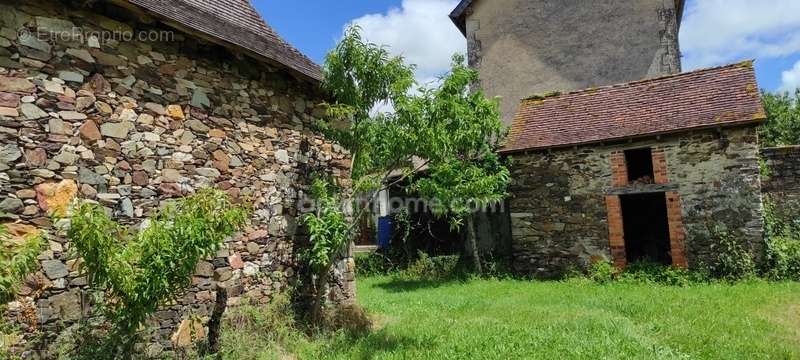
<point>447,131</point>
<point>138,271</point>
<point>330,233</point>
<point>783,119</point>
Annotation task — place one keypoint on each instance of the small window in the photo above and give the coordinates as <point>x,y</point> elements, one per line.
<point>639,163</point>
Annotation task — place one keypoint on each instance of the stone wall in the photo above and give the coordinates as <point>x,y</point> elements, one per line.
<point>781,181</point>
<point>133,124</point>
<point>559,197</point>
<point>527,47</point>
<point>781,172</point>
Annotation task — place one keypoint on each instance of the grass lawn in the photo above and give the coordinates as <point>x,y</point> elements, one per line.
<point>494,319</point>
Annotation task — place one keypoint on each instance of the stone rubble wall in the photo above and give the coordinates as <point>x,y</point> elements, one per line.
<point>782,172</point>
<point>781,180</point>
<point>558,206</point>
<point>132,125</point>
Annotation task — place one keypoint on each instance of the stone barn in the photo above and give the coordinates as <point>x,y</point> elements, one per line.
<point>652,170</point>
<point>134,103</point>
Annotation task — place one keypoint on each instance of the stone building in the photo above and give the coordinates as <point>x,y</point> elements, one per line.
<point>133,103</point>
<point>648,170</point>
<point>525,47</point>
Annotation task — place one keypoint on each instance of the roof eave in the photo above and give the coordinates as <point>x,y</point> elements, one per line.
<point>458,15</point>
<point>311,76</point>
<point>730,124</point>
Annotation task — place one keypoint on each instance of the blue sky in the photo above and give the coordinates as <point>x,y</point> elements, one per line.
<point>714,32</point>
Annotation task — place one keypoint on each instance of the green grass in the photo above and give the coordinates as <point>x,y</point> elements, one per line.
<point>494,319</point>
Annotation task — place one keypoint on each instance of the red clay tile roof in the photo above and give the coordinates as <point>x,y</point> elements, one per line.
<point>716,97</point>
<point>235,22</point>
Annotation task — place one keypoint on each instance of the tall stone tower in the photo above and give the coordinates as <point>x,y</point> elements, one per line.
<point>527,47</point>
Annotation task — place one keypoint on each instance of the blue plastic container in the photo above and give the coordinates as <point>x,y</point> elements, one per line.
<point>385,232</point>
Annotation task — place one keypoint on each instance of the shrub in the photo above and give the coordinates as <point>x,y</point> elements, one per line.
<point>781,219</point>
<point>782,232</point>
<point>654,273</point>
<point>602,272</point>
<point>138,271</point>
<point>731,261</point>
<point>17,260</point>
<point>783,258</point>
<point>427,268</point>
<point>373,264</point>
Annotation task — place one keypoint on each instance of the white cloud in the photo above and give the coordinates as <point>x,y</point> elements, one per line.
<point>420,31</point>
<point>791,79</point>
<point>715,32</point>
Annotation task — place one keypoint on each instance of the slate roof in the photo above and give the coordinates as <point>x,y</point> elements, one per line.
<point>459,14</point>
<point>708,98</point>
<point>235,22</point>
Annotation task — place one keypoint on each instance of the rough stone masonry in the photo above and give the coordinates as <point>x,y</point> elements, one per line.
<point>560,216</point>
<point>780,170</point>
<point>133,124</point>
<point>653,170</point>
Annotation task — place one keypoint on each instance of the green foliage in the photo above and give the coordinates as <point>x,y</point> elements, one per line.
<point>763,168</point>
<point>328,227</point>
<point>373,264</point>
<point>465,131</point>
<point>654,273</point>
<point>454,131</point>
<point>784,259</point>
<point>17,260</point>
<point>783,120</point>
<point>644,273</point>
<point>781,218</point>
<point>330,231</point>
<point>782,231</point>
<point>138,271</point>
<point>360,76</point>
<point>602,272</point>
<point>731,261</point>
<point>427,268</point>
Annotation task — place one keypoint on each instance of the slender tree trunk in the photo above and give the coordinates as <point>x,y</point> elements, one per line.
<point>472,244</point>
<point>215,323</point>
<point>319,298</point>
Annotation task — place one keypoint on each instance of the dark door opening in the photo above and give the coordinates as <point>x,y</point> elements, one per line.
<point>644,218</point>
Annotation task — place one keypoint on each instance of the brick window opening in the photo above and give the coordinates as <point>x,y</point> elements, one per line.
<point>646,228</point>
<point>639,163</point>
